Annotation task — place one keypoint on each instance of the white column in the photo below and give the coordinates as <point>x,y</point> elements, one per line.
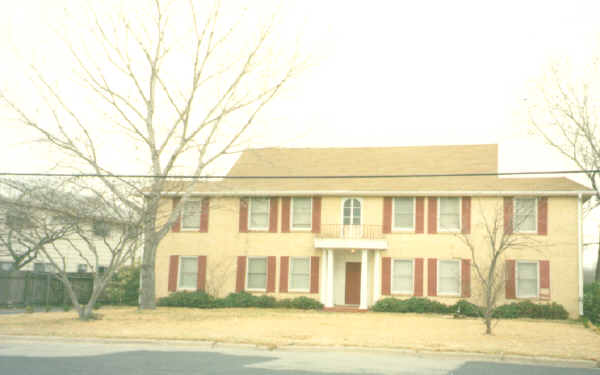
<point>377,277</point>
<point>323,279</point>
<point>329,278</point>
<point>364,277</point>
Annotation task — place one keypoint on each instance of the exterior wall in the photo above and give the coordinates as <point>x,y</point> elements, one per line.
<point>223,244</point>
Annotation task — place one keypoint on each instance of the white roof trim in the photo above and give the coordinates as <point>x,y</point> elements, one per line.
<point>379,193</point>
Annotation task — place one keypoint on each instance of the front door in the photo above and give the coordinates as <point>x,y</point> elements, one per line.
<point>352,283</point>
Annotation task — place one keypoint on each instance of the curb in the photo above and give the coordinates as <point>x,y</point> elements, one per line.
<point>214,345</point>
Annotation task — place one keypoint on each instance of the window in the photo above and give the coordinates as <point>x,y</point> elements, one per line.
<point>301,213</point>
<point>101,228</point>
<point>191,214</point>
<point>525,215</point>
<point>449,214</point>
<point>448,277</point>
<point>102,269</point>
<point>299,274</point>
<point>188,272</point>
<point>81,268</point>
<point>527,279</point>
<point>258,214</point>
<point>352,212</point>
<point>43,267</point>
<point>257,273</point>
<point>402,276</point>
<point>404,213</point>
<point>7,266</point>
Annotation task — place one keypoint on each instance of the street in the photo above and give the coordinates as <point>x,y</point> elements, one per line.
<point>66,357</point>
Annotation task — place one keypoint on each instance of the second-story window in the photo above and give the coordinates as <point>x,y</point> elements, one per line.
<point>191,214</point>
<point>352,212</point>
<point>258,214</point>
<point>301,213</point>
<point>525,216</point>
<point>404,213</point>
<point>449,214</point>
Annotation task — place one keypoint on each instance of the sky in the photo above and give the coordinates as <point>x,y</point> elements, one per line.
<point>378,73</point>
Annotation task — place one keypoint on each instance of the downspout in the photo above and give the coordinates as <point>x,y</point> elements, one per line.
<point>580,251</point>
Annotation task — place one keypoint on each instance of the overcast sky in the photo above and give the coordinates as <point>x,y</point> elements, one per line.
<point>389,73</point>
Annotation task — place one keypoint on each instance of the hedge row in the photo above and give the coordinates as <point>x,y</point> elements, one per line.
<point>591,302</point>
<point>523,309</point>
<point>242,299</point>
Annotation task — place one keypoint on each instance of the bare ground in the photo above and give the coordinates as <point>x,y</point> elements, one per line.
<point>292,327</point>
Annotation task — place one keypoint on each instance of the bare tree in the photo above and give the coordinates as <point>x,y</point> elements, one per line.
<point>568,119</point>
<point>173,97</point>
<point>489,246</point>
<point>94,230</point>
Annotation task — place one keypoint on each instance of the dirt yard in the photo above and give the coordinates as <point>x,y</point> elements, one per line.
<point>291,327</point>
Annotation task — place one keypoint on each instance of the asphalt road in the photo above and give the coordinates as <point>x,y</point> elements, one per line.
<point>63,357</point>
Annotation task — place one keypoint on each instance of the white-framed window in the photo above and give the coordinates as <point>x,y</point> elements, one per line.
<point>403,213</point>
<point>82,267</point>
<point>352,211</point>
<point>256,277</point>
<point>527,275</point>
<point>525,215</point>
<point>258,213</point>
<point>188,273</point>
<point>301,213</point>
<point>7,266</point>
<point>299,274</point>
<point>402,276</point>
<point>448,277</point>
<point>191,214</point>
<point>448,214</point>
<point>43,267</point>
<point>101,269</point>
<point>100,228</point>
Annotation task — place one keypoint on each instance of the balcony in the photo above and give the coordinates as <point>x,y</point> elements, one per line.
<point>351,232</point>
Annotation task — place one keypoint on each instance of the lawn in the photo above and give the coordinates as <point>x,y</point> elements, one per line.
<point>271,327</point>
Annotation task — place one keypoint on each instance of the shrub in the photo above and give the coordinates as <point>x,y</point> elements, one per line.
<point>414,305</point>
<point>240,299</point>
<point>188,299</point>
<point>305,303</point>
<point>466,308</point>
<point>591,302</point>
<point>29,309</point>
<point>124,287</point>
<point>528,309</point>
<point>265,301</point>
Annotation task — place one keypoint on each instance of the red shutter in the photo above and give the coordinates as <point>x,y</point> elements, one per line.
<point>543,216</point>
<point>314,274</point>
<point>432,215</point>
<point>273,215</point>
<point>544,279</point>
<point>418,277</point>
<point>316,215</point>
<point>465,278</point>
<point>201,273</point>
<point>177,224</point>
<point>241,274</point>
<point>283,274</point>
<point>173,269</point>
<point>285,214</point>
<point>243,215</point>
<point>271,272</point>
<point>204,215</point>
<point>432,277</point>
<point>511,290</point>
<point>387,215</point>
<point>466,215</point>
<point>386,276</point>
<point>420,215</point>
<point>508,215</point>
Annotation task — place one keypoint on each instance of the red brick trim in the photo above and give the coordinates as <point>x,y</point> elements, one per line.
<point>316,215</point>
<point>177,224</point>
<point>466,215</point>
<point>173,270</point>
<point>543,216</point>
<point>386,276</point>
<point>201,282</point>
<point>271,272</point>
<point>432,215</point>
<point>387,215</point>
<point>544,279</point>
<point>285,214</point>
<point>273,210</point>
<point>241,274</point>
<point>510,291</point>
<point>465,270</point>
<point>508,215</point>
<point>418,292</point>
<point>204,215</point>
<point>314,274</point>
<point>432,277</point>
<point>243,215</point>
<point>420,215</point>
<point>284,268</point>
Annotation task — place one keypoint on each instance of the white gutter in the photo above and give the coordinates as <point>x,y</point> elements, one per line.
<point>380,193</point>
<point>580,251</point>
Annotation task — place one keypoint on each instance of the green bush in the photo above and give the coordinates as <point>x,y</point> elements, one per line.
<point>591,302</point>
<point>197,299</point>
<point>124,287</point>
<point>528,309</point>
<point>305,303</point>
<point>466,308</point>
<point>411,305</point>
<point>240,299</point>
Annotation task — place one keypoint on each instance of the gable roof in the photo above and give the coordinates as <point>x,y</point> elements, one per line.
<point>381,161</point>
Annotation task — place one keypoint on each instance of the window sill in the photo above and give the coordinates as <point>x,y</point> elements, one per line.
<point>403,230</point>
<point>403,294</point>
<point>301,230</point>
<point>256,290</point>
<point>450,295</point>
<point>304,291</point>
<point>186,289</point>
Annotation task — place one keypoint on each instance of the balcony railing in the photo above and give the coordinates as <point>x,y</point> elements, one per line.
<point>362,232</point>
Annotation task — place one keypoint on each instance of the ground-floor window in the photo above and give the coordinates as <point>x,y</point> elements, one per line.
<point>402,276</point>
<point>527,279</point>
<point>257,273</point>
<point>188,272</point>
<point>43,267</point>
<point>299,274</point>
<point>448,277</point>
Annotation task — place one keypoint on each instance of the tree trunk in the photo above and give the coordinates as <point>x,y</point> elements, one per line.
<point>597,278</point>
<point>488,325</point>
<point>147,282</point>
